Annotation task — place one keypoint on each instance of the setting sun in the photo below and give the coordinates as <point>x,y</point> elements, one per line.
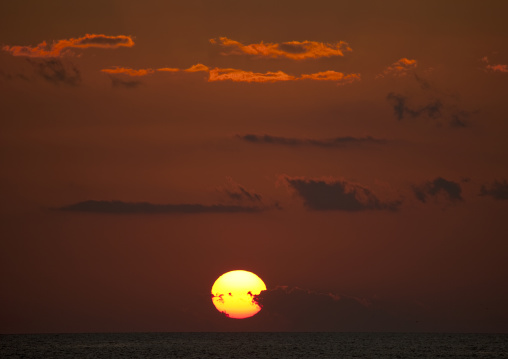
<point>234,294</point>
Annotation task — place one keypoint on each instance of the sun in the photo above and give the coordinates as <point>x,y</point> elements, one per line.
<point>233,294</point>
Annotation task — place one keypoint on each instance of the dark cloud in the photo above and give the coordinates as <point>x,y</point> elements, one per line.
<point>450,189</point>
<point>119,207</point>
<point>290,141</point>
<point>56,71</point>
<point>497,190</point>
<point>402,110</point>
<point>297,309</point>
<point>443,106</point>
<point>118,82</point>
<point>337,195</point>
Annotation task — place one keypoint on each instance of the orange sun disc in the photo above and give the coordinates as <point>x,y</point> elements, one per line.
<point>234,294</point>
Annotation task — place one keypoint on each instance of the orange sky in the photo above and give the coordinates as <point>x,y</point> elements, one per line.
<point>351,154</point>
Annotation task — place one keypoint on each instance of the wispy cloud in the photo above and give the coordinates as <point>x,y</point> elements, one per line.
<point>402,109</point>
<point>401,67</point>
<point>168,69</point>
<point>128,71</point>
<point>439,186</point>
<point>337,195</point>
<point>335,76</point>
<point>497,190</point>
<point>295,50</point>
<point>61,47</point>
<point>236,75</point>
<point>436,109</point>
<point>120,207</point>
<point>337,142</point>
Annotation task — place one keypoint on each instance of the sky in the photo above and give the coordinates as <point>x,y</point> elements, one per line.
<point>352,154</point>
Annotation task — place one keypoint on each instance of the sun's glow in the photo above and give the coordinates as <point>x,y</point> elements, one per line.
<point>234,294</point>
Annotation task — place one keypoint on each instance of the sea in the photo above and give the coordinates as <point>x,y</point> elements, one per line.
<point>254,345</point>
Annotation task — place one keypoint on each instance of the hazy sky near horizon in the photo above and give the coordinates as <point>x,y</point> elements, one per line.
<point>352,154</point>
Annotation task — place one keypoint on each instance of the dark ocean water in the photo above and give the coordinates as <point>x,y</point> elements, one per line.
<point>254,345</point>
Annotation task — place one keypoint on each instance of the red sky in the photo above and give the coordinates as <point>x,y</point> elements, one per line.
<point>352,154</point>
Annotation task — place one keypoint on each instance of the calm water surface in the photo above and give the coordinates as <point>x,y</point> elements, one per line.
<point>254,345</point>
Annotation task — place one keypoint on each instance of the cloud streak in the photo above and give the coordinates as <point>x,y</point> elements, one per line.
<point>120,207</point>
<point>294,50</point>
<point>338,77</point>
<point>439,186</point>
<point>337,142</point>
<point>236,75</point>
<point>336,195</point>
<point>128,71</point>
<point>62,47</point>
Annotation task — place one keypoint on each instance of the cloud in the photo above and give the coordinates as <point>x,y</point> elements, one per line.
<point>331,76</point>
<point>401,67</point>
<point>237,192</point>
<point>295,50</point>
<point>118,82</point>
<point>437,105</point>
<point>120,207</point>
<point>56,71</point>
<point>168,69</point>
<point>61,47</point>
<point>336,195</point>
<point>439,186</point>
<point>497,190</point>
<point>197,68</point>
<point>498,68</point>
<point>339,142</point>
<point>128,71</point>
<point>401,108</point>
<point>494,68</point>
<point>143,72</point>
<point>235,75</point>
